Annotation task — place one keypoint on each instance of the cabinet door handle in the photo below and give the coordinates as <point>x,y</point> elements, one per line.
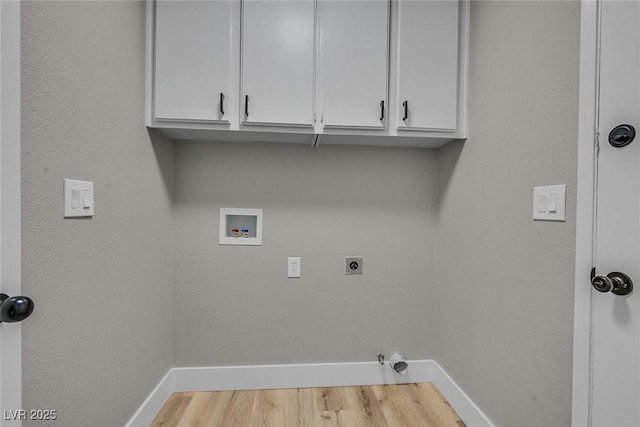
<point>405,104</point>
<point>221,103</point>
<point>246,105</point>
<point>382,110</point>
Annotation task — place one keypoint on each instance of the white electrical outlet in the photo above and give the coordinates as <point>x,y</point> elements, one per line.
<point>294,267</point>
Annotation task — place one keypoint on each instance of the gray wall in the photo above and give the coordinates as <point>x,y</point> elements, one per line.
<point>100,338</point>
<point>234,304</point>
<point>504,294</point>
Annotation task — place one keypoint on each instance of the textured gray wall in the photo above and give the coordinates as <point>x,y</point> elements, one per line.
<point>234,305</point>
<point>100,338</point>
<point>504,294</point>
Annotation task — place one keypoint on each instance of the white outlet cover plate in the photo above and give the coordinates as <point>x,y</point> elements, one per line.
<point>294,267</point>
<point>549,203</point>
<point>78,198</point>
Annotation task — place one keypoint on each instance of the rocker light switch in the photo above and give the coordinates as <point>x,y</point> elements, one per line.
<point>87,199</point>
<point>541,203</point>
<point>75,199</point>
<point>78,198</point>
<point>553,203</point>
<point>549,203</point>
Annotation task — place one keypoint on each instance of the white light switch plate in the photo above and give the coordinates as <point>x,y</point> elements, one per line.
<point>549,203</point>
<point>78,198</point>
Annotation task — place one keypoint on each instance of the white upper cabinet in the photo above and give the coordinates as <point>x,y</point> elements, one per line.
<point>356,63</point>
<point>427,64</point>
<point>192,61</point>
<point>278,50</point>
<point>369,72</point>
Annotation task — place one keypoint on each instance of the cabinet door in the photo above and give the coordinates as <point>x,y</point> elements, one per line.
<point>192,60</point>
<point>427,64</point>
<point>278,61</point>
<point>356,63</point>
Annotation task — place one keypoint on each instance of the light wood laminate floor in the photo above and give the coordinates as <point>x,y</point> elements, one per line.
<point>411,405</point>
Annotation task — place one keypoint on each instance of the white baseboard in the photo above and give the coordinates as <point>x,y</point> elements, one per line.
<point>307,375</point>
<point>152,405</point>
<point>297,376</point>
<point>458,399</point>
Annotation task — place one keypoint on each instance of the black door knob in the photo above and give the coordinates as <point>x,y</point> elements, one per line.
<point>602,283</point>
<point>622,135</point>
<point>615,282</point>
<point>15,309</point>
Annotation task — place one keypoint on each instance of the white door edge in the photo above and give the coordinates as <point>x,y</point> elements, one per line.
<point>10,247</point>
<point>582,325</point>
